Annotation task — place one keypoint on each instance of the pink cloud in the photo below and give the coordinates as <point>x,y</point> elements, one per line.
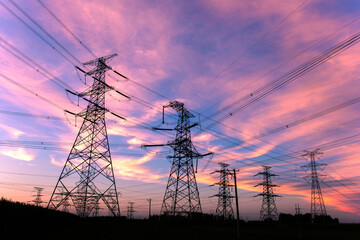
<point>19,154</point>
<point>13,132</point>
<point>55,162</point>
<point>133,169</point>
<point>152,54</point>
<point>204,137</point>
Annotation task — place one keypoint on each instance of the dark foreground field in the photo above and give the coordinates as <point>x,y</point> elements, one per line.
<point>20,221</point>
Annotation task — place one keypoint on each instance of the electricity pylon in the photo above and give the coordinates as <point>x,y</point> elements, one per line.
<point>149,200</point>
<point>66,204</point>
<point>224,208</point>
<point>37,201</point>
<point>181,195</point>
<point>317,201</point>
<point>297,209</point>
<point>130,210</point>
<point>89,161</point>
<point>268,210</point>
<point>96,210</point>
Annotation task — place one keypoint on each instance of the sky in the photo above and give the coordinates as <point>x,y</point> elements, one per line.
<point>211,55</point>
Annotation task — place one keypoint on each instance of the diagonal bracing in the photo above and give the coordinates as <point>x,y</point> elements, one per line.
<point>182,195</point>
<point>87,178</point>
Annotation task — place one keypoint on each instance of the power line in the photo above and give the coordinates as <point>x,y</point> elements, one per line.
<point>289,77</point>
<point>125,77</point>
<point>286,62</point>
<point>33,64</point>
<point>70,32</point>
<point>36,33</point>
<point>147,88</point>
<point>251,46</point>
<point>43,30</point>
<point>201,129</point>
<point>23,114</point>
<point>325,146</point>
<point>30,91</point>
<point>66,28</point>
<point>299,121</point>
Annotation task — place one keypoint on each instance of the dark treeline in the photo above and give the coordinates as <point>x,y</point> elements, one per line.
<point>306,218</point>
<point>23,221</point>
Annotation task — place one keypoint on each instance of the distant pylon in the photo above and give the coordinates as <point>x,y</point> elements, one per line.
<point>268,210</point>
<point>130,210</point>
<point>224,207</point>
<point>66,204</point>
<point>317,201</point>
<point>37,201</point>
<point>297,209</point>
<point>96,210</point>
<point>181,195</point>
<point>89,161</point>
<point>149,200</point>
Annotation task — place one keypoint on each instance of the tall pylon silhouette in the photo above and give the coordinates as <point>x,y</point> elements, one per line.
<point>268,210</point>
<point>224,207</point>
<point>317,201</point>
<point>181,195</point>
<point>130,210</point>
<point>37,201</point>
<point>89,162</point>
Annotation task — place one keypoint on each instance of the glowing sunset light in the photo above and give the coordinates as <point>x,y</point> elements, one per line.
<point>252,73</point>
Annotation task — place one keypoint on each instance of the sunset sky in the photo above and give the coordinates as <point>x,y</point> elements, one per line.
<point>208,54</point>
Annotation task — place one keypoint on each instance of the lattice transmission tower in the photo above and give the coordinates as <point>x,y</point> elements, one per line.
<point>181,195</point>
<point>37,200</point>
<point>268,210</point>
<point>96,211</point>
<point>224,207</point>
<point>87,178</point>
<point>297,209</point>
<point>130,210</point>
<point>317,201</point>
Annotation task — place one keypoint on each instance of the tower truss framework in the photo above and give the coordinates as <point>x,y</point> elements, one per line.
<point>317,201</point>
<point>268,210</point>
<point>224,207</point>
<point>181,196</point>
<point>37,200</point>
<point>87,178</point>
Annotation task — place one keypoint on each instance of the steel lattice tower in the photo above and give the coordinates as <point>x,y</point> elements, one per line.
<point>317,201</point>
<point>268,210</point>
<point>37,201</point>
<point>96,210</point>
<point>224,208</point>
<point>89,160</point>
<point>181,195</point>
<point>130,210</point>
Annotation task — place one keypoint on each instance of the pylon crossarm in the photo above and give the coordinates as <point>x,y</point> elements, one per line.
<point>117,115</point>
<point>120,74</point>
<point>153,145</point>
<point>87,157</point>
<point>163,129</point>
<point>95,78</point>
<point>206,154</point>
<point>268,209</point>
<point>101,60</point>
<point>192,125</point>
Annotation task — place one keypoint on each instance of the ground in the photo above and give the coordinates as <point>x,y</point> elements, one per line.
<point>21,221</point>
